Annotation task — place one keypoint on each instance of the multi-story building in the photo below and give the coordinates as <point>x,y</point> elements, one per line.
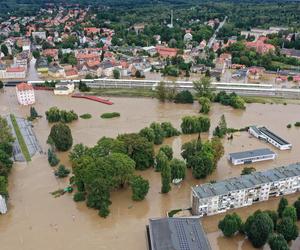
<point>263,133</point>
<point>25,93</point>
<point>218,197</point>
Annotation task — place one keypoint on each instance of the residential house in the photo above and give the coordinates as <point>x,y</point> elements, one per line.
<point>64,88</point>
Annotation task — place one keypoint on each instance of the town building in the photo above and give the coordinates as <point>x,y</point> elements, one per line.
<point>251,156</point>
<point>260,46</point>
<point>25,93</point>
<point>64,88</point>
<point>15,73</point>
<point>180,233</point>
<point>264,134</point>
<point>166,52</point>
<point>245,190</point>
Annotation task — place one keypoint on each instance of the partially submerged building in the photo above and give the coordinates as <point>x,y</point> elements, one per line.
<point>250,156</point>
<point>181,233</point>
<point>245,190</point>
<point>264,134</point>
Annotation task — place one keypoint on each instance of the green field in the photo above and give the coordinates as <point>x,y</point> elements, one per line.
<point>20,138</point>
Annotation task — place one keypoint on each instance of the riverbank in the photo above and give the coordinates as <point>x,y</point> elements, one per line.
<point>149,93</point>
<point>36,217</point>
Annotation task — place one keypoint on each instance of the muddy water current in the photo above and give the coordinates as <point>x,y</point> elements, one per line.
<point>37,221</point>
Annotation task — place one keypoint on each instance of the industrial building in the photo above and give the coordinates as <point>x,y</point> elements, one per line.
<point>245,190</point>
<point>180,233</point>
<point>264,134</point>
<point>250,156</point>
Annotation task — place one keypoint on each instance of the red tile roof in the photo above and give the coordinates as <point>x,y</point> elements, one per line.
<point>166,52</point>
<point>24,86</point>
<point>15,69</point>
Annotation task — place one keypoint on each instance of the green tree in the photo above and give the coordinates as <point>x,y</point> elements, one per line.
<point>61,137</point>
<point>167,150</point>
<point>52,158</point>
<point>5,163</point>
<point>274,216</point>
<point>297,206</point>
<point>165,177</point>
<point>190,149</point>
<point>160,160</point>
<point>140,188</point>
<point>221,129</point>
<point>36,54</point>
<point>116,73</point>
<point>259,229</point>
<point>178,169</point>
<point>283,203</point>
<point>62,171</point>
<point>203,87</point>
<point>3,186</point>
<point>1,85</point>
<point>184,96</point>
<point>83,87</point>
<point>158,133</point>
<point>139,149</point>
<point>148,133</point>
<point>288,229</point>
<point>169,130</point>
<point>277,242</point>
<point>230,224</point>
<point>205,105</point>
<point>79,196</point>
<point>4,49</point>
<point>161,91</point>
<point>218,149</point>
<point>202,163</point>
<point>290,211</point>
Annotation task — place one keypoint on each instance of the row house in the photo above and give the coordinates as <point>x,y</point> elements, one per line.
<point>12,73</point>
<point>219,197</point>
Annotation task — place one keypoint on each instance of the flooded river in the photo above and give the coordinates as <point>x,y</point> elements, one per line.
<point>37,221</point>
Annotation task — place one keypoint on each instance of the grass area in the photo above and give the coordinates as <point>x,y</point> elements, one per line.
<point>20,138</point>
<point>86,116</point>
<point>269,100</point>
<point>110,115</point>
<point>128,92</point>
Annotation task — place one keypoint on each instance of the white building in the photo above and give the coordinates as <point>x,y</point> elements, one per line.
<point>245,190</point>
<point>39,34</point>
<point>13,73</point>
<point>3,207</point>
<point>64,88</point>
<point>264,134</point>
<point>251,156</point>
<point>25,94</point>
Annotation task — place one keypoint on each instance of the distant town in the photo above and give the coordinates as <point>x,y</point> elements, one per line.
<point>150,125</point>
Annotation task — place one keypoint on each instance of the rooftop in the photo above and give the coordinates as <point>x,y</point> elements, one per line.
<point>24,86</point>
<point>246,181</point>
<point>270,134</point>
<point>251,153</point>
<point>177,234</point>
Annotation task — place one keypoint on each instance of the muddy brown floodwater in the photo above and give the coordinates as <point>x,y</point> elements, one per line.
<point>37,221</point>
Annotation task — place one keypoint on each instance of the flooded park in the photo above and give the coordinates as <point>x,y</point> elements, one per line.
<point>37,220</point>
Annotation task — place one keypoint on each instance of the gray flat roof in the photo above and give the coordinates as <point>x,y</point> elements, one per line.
<point>251,153</point>
<point>246,181</point>
<point>177,234</point>
<point>270,134</point>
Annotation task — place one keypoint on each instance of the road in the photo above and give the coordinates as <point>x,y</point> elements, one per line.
<point>213,38</point>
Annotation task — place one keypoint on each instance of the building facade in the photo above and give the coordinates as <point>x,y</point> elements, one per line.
<point>213,198</point>
<point>25,94</point>
<point>251,156</point>
<point>64,88</point>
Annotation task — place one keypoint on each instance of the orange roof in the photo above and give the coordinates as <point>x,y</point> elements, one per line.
<point>165,52</point>
<point>86,56</point>
<point>15,69</point>
<point>93,63</point>
<point>71,72</point>
<point>24,86</point>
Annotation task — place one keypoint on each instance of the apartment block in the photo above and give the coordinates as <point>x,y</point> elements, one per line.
<point>245,190</point>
